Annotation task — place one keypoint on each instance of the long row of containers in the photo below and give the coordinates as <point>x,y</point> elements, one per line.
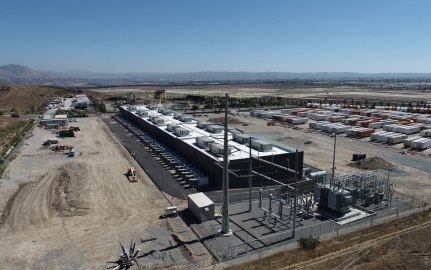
<point>397,109</point>
<point>396,125</point>
<point>286,118</point>
<point>372,118</point>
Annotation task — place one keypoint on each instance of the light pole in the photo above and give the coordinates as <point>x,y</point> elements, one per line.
<point>225,208</point>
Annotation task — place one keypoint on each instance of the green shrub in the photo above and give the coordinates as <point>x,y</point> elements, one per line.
<point>309,242</point>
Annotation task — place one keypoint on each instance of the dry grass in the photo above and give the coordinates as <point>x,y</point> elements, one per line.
<point>11,130</point>
<point>31,98</point>
<point>26,97</point>
<point>334,250</point>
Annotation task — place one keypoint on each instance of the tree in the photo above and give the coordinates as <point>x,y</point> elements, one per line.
<point>195,107</point>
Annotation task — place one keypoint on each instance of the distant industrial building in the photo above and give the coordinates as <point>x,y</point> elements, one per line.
<point>57,120</point>
<point>81,102</point>
<point>201,144</point>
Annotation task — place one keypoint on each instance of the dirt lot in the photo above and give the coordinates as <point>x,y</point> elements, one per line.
<point>70,213</point>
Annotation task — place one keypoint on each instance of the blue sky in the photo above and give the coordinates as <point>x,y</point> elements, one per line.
<point>218,35</point>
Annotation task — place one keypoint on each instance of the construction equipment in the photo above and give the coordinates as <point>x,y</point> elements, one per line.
<point>171,211</point>
<point>127,259</point>
<point>359,156</point>
<point>49,142</point>
<point>131,174</point>
<point>66,133</point>
<point>71,153</point>
<point>61,147</point>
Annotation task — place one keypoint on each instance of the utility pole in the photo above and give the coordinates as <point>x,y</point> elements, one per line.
<point>225,208</point>
<point>295,197</point>
<point>250,175</point>
<point>333,160</point>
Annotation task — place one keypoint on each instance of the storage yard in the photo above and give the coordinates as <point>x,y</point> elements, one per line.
<point>411,165</point>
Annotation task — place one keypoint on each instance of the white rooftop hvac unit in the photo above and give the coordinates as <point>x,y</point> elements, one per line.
<point>159,121</point>
<point>142,113</point>
<point>167,112</point>
<point>185,118</point>
<point>218,148</point>
<point>172,127</point>
<point>181,132</point>
<point>204,141</point>
<point>261,146</point>
<point>153,106</point>
<point>152,117</point>
<point>203,125</point>
<point>215,129</point>
<point>242,138</point>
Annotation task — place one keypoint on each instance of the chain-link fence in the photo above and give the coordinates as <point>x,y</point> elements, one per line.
<point>233,247</point>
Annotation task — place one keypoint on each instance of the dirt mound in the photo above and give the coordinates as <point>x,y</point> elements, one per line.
<point>67,197</point>
<point>372,163</point>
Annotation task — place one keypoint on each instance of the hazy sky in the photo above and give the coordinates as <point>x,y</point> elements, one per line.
<point>217,35</point>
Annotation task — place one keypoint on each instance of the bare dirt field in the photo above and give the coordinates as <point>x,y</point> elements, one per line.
<point>292,91</point>
<point>70,213</point>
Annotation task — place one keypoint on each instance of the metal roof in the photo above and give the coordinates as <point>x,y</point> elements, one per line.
<point>200,199</point>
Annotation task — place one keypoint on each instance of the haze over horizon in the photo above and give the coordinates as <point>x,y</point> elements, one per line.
<point>192,36</point>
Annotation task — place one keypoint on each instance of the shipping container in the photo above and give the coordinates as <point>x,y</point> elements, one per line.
<point>399,138</point>
<point>408,141</point>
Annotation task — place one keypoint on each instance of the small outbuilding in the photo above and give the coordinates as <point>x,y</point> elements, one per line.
<point>201,206</point>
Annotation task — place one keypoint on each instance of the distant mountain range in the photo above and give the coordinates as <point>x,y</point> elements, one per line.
<point>10,72</point>
<point>18,71</point>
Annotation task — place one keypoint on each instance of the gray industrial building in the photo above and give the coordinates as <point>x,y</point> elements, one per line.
<point>54,121</point>
<point>200,143</point>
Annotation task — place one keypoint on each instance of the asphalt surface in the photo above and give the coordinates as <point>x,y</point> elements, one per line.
<point>163,179</point>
